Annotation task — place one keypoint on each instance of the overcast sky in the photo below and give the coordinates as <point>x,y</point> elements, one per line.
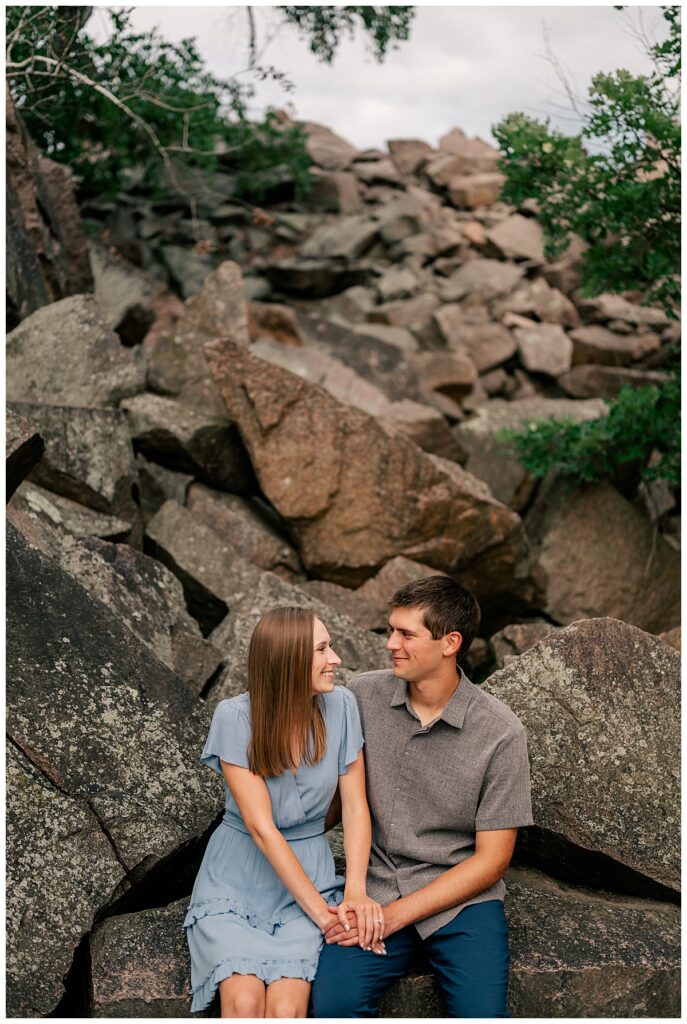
<point>463,66</point>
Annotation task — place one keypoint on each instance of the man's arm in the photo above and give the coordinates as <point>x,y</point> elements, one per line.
<point>493,852</point>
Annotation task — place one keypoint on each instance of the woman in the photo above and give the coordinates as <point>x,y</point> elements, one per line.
<point>267,886</point>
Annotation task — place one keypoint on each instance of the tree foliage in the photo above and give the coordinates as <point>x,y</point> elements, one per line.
<point>136,105</point>
<point>622,198</point>
<point>617,185</point>
<point>325,26</point>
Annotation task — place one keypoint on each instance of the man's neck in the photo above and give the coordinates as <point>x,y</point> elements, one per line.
<point>429,697</point>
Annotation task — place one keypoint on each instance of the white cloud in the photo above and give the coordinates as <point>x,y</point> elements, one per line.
<point>464,66</point>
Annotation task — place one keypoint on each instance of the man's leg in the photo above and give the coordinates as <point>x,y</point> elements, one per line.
<point>350,981</point>
<point>470,957</point>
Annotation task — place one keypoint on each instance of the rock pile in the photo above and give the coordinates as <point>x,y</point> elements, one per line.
<point>316,424</point>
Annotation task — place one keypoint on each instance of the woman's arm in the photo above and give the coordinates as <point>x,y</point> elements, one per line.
<point>253,800</point>
<point>357,831</point>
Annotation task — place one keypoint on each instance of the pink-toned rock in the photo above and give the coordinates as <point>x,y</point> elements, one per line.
<point>481,279</point>
<point>466,193</point>
<point>326,148</point>
<point>412,313</point>
<point>596,344</point>
<point>276,321</point>
<point>517,237</point>
<point>564,273</point>
<point>598,556</point>
<point>409,154</point>
<point>474,232</point>
<point>371,497</point>
<point>605,307</point>
<point>378,590</point>
<point>457,142</point>
<point>377,172</point>
<point>334,191</point>
<point>672,637</point>
<point>514,640</point>
<point>423,425</point>
<point>487,344</point>
<point>544,348</point>
<point>450,373</point>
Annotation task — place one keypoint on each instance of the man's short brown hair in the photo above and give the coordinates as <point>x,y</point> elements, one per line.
<point>446,605</point>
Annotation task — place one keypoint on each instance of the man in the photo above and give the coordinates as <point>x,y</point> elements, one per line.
<point>448,786</point>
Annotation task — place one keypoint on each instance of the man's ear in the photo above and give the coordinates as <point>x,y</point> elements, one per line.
<point>452,643</point>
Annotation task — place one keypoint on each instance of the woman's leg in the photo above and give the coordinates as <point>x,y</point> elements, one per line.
<point>287,997</point>
<point>242,995</point>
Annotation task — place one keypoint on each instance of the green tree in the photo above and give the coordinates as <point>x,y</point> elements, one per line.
<point>617,185</point>
<point>139,101</point>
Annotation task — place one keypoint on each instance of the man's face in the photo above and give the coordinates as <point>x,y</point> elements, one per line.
<point>416,654</point>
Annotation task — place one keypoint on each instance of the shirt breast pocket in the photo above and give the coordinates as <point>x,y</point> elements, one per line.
<point>451,796</point>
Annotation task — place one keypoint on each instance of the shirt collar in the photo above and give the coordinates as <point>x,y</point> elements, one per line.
<point>454,712</point>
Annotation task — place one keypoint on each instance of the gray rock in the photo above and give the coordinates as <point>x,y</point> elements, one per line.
<point>346,237</point>
<point>399,337</point>
<point>423,425</point>
<point>24,447</point>
<point>157,484</point>
<point>124,293</point>
<point>596,344</point>
<point>352,304</point>
<point>593,380</point>
<point>537,298</point>
<point>512,641</point>
<point>377,172</point>
<point>450,373</point>
<point>583,536</point>
<point>345,601</point>
<point>397,283</point>
<point>487,344</point>
<point>88,457</point>
<point>188,268</point>
<point>473,190</point>
<point>115,732</point>
<point>34,509</point>
<point>413,313</point>
<point>61,868</point>
<point>65,353</point>
<point>517,237</point>
<point>544,348</point>
<point>494,460</point>
<point>186,439</point>
<point>606,307</point>
<point>245,526</point>
<point>314,278</point>
<point>481,277</point>
<point>599,701</point>
<point>378,590</point>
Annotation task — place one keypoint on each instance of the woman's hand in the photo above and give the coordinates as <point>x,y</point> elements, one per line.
<point>369,917</point>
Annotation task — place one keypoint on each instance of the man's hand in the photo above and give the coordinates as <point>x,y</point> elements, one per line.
<point>335,933</point>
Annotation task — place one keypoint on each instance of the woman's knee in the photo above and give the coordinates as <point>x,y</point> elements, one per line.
<point>284,1006</point>
<point>237,1000</point>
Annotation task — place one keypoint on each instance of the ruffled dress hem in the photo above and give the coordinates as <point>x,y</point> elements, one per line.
<point>267,971</point>
<point>235,905</point>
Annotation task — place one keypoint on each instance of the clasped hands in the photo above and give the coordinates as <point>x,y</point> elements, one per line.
<point>357,921</point>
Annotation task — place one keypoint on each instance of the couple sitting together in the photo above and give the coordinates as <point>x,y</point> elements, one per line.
<point>430,813</point>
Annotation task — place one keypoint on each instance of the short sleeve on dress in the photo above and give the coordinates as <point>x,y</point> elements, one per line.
<point>351,733</point>
<point>228,737</point>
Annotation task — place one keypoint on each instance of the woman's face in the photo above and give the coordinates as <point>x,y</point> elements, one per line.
<point>324,661</point>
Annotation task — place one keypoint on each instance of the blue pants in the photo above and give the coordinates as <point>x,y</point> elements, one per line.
<point>469,956</point>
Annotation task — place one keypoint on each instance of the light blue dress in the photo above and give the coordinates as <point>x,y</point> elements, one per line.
<point>241,918</point>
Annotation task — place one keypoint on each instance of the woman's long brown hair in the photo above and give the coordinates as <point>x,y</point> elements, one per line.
<point>286,721</point>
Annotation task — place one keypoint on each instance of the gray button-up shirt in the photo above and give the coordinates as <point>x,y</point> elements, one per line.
<point>430,788</point>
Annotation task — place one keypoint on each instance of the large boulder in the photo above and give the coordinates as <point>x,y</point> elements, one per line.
<point>516,638</point>
<point>592,380</point>
<point>65,354</point>
<point>24,447</point>
<point>537,298</point>
<point>482,277</point>
<point>544,348</point>
<point>326,148</point>
<point>596,344</point>
<point>189,440</point>
<point>117,736</point>
<point>88,456</point>
<point>493,459</point>
<point>599,556</point>
<point>488,344</point>
<point>518,238</point>
<point>372,496</point>
<point>176,365</point>
<point>377,591</point>
<point>408,154</point>
<point>600,703</point>
<point>574,954</point>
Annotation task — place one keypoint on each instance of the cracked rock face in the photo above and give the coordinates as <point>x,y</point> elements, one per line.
<point>600,703</point>
<point>352,496</point>
<point>116,732</point>
<point>24,447</point>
